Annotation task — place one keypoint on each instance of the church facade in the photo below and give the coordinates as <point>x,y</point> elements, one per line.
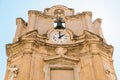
<point>59,45</point>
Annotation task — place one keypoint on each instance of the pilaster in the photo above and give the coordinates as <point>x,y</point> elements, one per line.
<point>21,28</point>
<point>97,27</point>
<point>32,16</point>
<point>88,20</point>
<point>98,68</point>
<point>25,66</point>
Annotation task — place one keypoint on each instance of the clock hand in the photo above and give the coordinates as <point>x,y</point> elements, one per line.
<point>61,36</point>
<point>59,33</point>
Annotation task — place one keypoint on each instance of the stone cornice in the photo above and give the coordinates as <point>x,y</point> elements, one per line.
<point>61,59</point>
<point>78,15</point>
<point>86,37</point>
<point>108,49</point>
<point>32,39</point>
<point>17,46</point>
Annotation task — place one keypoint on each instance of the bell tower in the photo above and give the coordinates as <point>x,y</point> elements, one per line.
<point>76,50</point>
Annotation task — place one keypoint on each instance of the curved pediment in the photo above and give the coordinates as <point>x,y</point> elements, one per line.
<point>38,40</point>
<point>59,9</point>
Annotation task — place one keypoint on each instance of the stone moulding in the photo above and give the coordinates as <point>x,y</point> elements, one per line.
<point>61,58</point>
<point>61,62</point>
<point>75,68</point>
<point>38,13</point>
<point>37,40</point>
<point>48,10</point>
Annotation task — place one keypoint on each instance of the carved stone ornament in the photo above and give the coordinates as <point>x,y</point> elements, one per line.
<point>61,51</point>
<point>13,72</point>
<point>61,62</point>
<point>109,72</point>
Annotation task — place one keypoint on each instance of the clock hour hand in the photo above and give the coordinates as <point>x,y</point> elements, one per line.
<point>61,36</point>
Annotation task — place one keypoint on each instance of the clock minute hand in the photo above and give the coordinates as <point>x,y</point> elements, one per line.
<point>59,33</point>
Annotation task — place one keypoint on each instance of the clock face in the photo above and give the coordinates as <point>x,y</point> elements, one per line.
<point>59,37</point>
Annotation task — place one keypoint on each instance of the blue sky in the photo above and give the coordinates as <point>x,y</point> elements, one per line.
<point>107,10</point>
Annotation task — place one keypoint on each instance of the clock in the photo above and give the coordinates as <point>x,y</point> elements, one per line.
<point>59,37</point>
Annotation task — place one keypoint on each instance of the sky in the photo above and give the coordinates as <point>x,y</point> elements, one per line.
<point>107,10</point>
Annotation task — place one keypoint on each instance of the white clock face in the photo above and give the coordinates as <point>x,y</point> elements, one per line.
<point>59,37</point>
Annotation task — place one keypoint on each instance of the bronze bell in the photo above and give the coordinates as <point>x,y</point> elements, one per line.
<point>59,24</point>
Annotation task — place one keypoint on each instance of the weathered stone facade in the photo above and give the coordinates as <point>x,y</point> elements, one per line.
<point>33,55</point>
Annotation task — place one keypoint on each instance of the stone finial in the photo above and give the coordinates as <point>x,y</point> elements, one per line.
<point>87,12</point>
<point>20,21</point>
<point>98,20</point>
<point>109,72</point>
